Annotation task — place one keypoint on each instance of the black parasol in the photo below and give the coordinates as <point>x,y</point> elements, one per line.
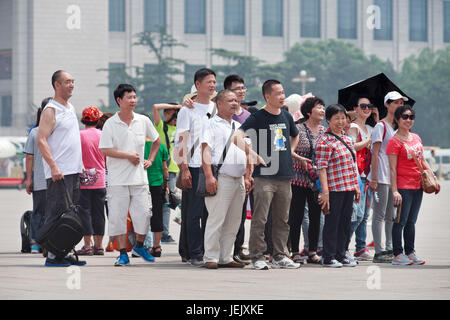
<point>375,88</point>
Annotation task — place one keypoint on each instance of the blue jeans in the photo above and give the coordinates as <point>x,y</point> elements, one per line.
<point>411,202</point>
<point>305,228</point>
<point>359,227</point>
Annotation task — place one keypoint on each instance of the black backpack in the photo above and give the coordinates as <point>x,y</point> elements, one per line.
<point>65,233</point>
<point>25,232</point>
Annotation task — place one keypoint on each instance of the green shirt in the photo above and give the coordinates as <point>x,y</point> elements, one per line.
<point>155,172</point>
<point>171,134</point>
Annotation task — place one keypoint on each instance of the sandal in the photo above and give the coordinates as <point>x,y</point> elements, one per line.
<point>155,252</point>
<point>314,258</point>
<point>85,252</point>
<point>98,251</point>
<point>297,258</point>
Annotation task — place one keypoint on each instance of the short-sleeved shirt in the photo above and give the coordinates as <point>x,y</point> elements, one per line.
<point>92,156</point>
<point>171,135</point>
<point>382,129</point>
<point>118,135</point>
<point>192,120</point>
<point>241,117</point>
<point>155,173</point>
<point>270,136</point>
<point>337,159</point>
<point>408,173</point>
<point>216,133</point>
<point>64,141</point>
<point>31,147</point>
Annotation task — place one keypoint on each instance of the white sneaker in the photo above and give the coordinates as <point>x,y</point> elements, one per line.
<point>416,260</point>
<point>348,263</point>
<point>402,260</point>
<point>260,265</point>
<point>332,264</point>
<point>285,263</point>
<point>349,257</point>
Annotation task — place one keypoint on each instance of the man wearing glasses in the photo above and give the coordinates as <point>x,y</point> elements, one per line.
<point>235,83</point>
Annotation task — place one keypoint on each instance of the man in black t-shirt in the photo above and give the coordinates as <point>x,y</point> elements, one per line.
<point>275,137</point>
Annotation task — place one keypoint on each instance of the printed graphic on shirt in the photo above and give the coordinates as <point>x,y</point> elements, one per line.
<point>279,140</point>
<point>417,149</point>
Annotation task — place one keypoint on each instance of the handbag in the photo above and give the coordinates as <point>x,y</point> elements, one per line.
<point>201,185</point>
<point>88,177</point>
<point>429,181</point>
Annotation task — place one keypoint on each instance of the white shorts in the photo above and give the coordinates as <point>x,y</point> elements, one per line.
<point>133,199</point>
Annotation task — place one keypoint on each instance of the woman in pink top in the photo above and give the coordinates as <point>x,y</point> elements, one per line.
<point>93,192</point>
<point>406,184</point>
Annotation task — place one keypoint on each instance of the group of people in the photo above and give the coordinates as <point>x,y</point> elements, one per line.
<point>280,158</point>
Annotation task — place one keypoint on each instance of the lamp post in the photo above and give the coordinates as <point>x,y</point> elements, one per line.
<point>304,79</point>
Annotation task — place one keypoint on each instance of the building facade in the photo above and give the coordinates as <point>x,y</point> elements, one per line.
<point>86,37</point>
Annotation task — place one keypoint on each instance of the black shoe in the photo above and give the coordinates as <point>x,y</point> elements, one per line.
<point>74,261</point>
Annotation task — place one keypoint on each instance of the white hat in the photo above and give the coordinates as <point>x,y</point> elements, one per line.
<point>394,95</point>
<point>294,103</point>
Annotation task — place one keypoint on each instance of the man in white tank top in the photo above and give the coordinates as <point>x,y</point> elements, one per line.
<point>59,143</point>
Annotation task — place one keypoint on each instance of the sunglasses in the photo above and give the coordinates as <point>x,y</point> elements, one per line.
<point>410,116</point>
<point>364,106</point>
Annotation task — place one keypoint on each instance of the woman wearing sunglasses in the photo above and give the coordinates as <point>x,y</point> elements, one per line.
<point>406,184</point>
<point>366,116</point>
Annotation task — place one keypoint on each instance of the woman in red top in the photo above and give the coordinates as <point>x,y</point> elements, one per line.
<point>406,184</point>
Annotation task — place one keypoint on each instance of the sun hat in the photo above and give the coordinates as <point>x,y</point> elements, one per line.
<point>91,114</point>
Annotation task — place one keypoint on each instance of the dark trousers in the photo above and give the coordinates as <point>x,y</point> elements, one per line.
<point>56,200</point>
<point>194,219</point>
<point>38,215</point>
<point>156,221</point>
<point>336,230</point>
<point>92,212</point>
<point>240,237</point>
<point>296,214</point>
<point>183,249</point>
<point>411,202</point>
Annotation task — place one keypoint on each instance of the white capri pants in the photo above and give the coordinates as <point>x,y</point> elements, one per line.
<point>133,199</point>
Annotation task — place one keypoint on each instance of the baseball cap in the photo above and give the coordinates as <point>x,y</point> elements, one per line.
<point>394,95</point>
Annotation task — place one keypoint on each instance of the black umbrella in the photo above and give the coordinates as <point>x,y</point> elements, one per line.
<point>375,88</point>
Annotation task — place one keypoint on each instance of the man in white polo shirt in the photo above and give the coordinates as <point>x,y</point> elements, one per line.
<point>123,143</point>
<point>187,138</point>
<point>225,207</point>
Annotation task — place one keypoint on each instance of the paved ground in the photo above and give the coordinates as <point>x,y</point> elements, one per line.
<point>23,276</point>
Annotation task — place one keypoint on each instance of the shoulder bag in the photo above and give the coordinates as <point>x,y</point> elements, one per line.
<point>215,168</point>
<point>429,181</point>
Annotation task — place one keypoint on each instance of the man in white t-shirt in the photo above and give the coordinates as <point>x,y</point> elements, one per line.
<point>187,138</point>
<point>123,144</point>
<point>379,177</point>
<point>59,142</point>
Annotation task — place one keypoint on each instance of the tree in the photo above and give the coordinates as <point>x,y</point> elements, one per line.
<point>334,64</point>
<point>154,83</point>
<point>254,71</point>
<point>426,78</point>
